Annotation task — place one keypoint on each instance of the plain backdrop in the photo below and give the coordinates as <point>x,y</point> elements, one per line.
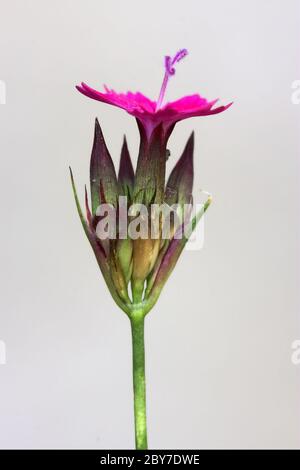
<point>219,370</point>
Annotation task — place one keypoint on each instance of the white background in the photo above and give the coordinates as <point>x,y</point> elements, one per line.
<point>219,340</point>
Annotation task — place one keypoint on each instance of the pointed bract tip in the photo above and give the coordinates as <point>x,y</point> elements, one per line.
<point>208,201</point>
<point>97,125</point>
<point>189,146</point>
<point>124,144</point>
<point>126,172</point>
<point>191,138</point>
<point>71,173</point>
<point>98,134</point>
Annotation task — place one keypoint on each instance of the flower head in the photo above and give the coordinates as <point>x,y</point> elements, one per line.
<point>142,264</point>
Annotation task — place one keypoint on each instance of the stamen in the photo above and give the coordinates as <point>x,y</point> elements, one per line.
<point>169,71</point>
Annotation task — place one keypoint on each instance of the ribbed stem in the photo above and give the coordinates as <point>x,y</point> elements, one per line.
<point>139,381</point>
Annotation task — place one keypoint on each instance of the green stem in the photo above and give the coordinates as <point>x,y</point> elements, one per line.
<point>139,381</point>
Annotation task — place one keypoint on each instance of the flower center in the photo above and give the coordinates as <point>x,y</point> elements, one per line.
<point>169,71</point>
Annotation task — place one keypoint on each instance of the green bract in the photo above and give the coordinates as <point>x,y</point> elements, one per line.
<point>135,270</point>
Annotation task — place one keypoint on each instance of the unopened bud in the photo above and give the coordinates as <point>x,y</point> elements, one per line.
<point>145,252</point>
<point>124,250</point>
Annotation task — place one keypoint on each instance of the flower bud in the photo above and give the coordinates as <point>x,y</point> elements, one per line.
<point>118,277</point>
<point>124,250</point>
<point>145,252</point>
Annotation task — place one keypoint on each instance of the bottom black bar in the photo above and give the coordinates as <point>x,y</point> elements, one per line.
<point>128,458</point>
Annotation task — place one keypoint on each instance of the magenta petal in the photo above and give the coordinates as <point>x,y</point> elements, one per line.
<point>187,103</point>
<point>108,98</point>
<point>133,103</point>
<point>190,106</point>
<point>144,109</point>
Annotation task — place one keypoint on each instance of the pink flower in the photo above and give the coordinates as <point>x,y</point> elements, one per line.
<point>151,114</point>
